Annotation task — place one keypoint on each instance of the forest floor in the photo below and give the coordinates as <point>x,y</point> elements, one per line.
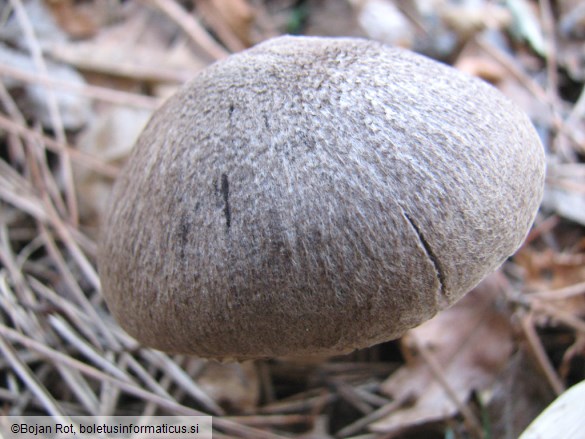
<point>79,80</point>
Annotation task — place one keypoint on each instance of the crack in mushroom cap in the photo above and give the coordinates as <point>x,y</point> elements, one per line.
<point>315,195</point>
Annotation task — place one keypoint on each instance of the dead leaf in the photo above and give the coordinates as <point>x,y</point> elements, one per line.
<point>75,110</point>
<point>110,137</point>
<point>234,386</point>
<point>470,342</point>
<point>482,67</point>
<point>565,190</point>
<point>41,20</point>
<point>237,15</point>
<point>554,280</point>
<point>382,20</point>
<point>468,18</point>
<point>517,397</point>
<point>323,18</point>
<point>133,49</point>
<point>570,47</point>
<point>72,20</point>
<point>572,19</point>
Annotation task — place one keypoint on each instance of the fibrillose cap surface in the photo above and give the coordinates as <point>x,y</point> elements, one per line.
<point>315,195</point>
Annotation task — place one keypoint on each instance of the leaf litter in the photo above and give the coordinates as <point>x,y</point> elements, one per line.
<point>80,79</point>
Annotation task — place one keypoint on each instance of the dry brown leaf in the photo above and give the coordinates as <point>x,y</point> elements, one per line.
<point>467,18</point>
<point>43,25</point>
<point>551,276</point>
<point>234,386</point>
<point>572,31</point>
<point>568,203</point>
<point>135,49</point>
<point>482,67</point>
<point>382,20</point>
<point>72,20</point>
<point>470,342</point>
<point>565,191</point>
<point>327,17</point>
<point>110,137</point>
<point>238,15</point>
<point>75,110</point>
<point>517,397</point>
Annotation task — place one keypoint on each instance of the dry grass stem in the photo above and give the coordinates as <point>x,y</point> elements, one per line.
<point>103,94</point>
<point>30,379</point>
<point>362,423</point>
<point>559,315</point>
<point>191,27</point>
<point>57,122</point>
<point>540,354</point>
<point>560,294</point>
<point>163,362</point>
<point>471,420</point>
<point>131,388</point>
<point>79,157</point>
<point>62,354</point>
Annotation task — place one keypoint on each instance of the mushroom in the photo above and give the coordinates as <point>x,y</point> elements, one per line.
<point>314,196</point>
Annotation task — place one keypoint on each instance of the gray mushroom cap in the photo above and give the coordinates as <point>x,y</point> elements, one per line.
<point>315,195</point>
